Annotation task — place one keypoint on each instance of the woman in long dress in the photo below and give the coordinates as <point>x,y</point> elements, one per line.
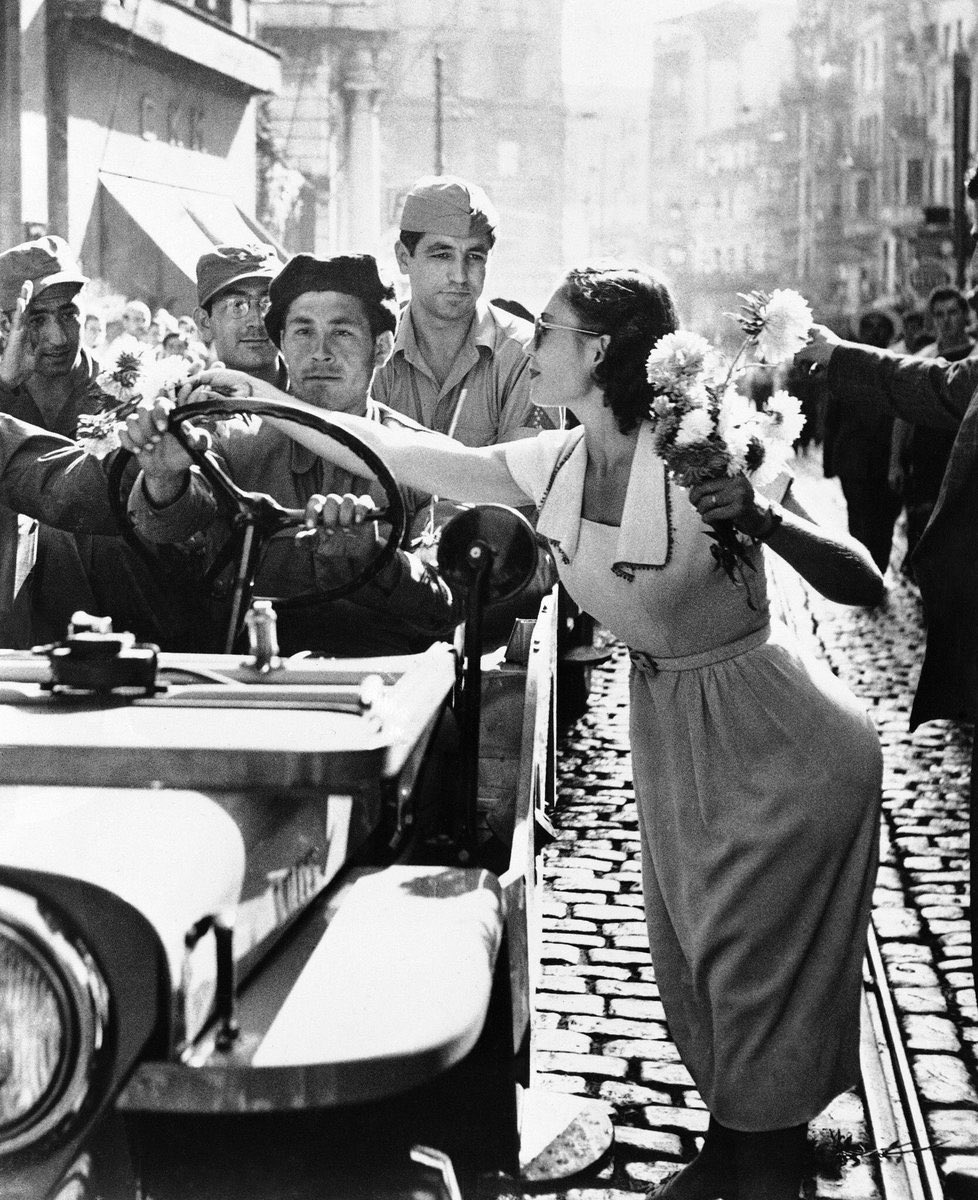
<point>757,774</point>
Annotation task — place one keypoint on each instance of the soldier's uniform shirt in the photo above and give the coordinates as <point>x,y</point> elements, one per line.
<point>486,396</point>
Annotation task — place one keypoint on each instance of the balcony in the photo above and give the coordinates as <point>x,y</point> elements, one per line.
<point>197,30</point>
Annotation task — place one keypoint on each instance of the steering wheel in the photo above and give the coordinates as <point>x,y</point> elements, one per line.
<point>257,516</point>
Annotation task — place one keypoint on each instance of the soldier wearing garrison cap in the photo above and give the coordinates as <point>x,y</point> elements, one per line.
<point>333,320</point>
<point>232,299</point>
<point>459,364</point>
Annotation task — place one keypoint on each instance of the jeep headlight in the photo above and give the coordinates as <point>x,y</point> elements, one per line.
<point>53,1019</point>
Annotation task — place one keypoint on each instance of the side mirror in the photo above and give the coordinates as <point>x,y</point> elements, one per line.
<point>491,543</point>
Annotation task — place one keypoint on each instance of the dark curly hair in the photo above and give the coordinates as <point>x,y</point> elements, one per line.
<point>634,305</point>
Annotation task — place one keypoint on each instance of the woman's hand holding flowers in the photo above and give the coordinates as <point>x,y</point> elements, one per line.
<point>733,499</point>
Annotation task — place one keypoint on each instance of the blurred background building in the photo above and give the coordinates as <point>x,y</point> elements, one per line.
<point>735,144</point>
<point>129,127</point>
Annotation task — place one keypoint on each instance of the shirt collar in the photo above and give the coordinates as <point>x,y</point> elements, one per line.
<point>482,331</point>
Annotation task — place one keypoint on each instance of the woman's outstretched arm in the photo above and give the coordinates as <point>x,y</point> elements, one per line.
<point>427,461</point>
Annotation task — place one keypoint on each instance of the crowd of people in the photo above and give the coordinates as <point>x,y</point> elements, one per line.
<point>757,774</point>
<point>107,330</point>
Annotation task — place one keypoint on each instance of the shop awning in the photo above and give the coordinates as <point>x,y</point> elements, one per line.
<point>180,224</point>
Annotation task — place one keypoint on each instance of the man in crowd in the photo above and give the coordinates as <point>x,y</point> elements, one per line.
<point>920,454</point>
<point>941,395</point>
<point>232,300</point>
<point>48,379</point>
<point>333,320</point>
<point>459,364</point>
<point>856,449</point>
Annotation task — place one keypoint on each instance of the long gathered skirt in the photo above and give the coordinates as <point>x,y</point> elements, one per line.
<point>757,777</point>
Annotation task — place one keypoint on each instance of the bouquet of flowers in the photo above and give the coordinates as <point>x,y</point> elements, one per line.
<point>705,429</point>
<point>132,376</point>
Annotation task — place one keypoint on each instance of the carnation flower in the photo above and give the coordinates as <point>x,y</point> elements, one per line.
<point>778,325</point>
<point>676,358</point>
<point>696,426</point>
<point>129,378</point>
<point>787,419</point>
<point>704,428</point>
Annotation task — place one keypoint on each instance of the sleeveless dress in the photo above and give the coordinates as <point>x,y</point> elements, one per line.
<point>757,778</point>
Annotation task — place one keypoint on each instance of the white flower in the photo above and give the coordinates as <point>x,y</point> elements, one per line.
<point>163,377</point>
<point>677,358</point>
<point>786,321</point>
<point>787,419</point>
<point>775,461</point>
<point>696,426</point>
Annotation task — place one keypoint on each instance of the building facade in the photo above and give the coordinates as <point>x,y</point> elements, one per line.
<point>130,130</point>
<point>849,180</point>
<point>379,93</point>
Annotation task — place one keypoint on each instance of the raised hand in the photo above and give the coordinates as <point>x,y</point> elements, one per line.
<point>18,361</point>
<point>819,349</point>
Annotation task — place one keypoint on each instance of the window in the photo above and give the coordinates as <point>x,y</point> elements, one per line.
<point>863,197</point>
<point>196,129</point>
<point>147,118</point>
<point>173,135</point>
<point>915,181</point>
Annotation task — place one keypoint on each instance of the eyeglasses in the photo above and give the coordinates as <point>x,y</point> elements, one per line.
<point>539,325</point>
<point>240,306</point>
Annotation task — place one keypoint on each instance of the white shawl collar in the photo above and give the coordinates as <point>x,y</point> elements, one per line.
<point>644,538</point>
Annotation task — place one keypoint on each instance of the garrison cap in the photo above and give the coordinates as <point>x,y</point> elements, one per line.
<point>351,274</point>
<point>225,265</point>
<point>448,205</point>
<point>45,261</point>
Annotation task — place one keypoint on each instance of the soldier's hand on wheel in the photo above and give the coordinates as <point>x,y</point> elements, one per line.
<point>160,455</point>
<point>343,523</point>
<point>18,359</point>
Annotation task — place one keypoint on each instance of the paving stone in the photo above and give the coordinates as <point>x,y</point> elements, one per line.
<point>905,952</point>
<point>604,1065</point>
<point>663,1116</point>
<point>563,983</point>
<point>623,1094</point>
<point>602,974</point>
<point>619,956</point>
<point>567,925</point>
<point>673,1074</point>
<point>893,924</point>
<point>569,1004</point>
<point>638,1010</point>
<point>560,952</point>
<point>564,1040</point>
<point>574,1085</point>
<point>911,974</point>
<point>954,1129</point>
<point>943,1079</point>
<point>919,1000</point>
<point>651,1141</point>
<point>628,987</point>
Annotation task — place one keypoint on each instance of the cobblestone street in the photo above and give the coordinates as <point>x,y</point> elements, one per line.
<point>600,1026</point>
